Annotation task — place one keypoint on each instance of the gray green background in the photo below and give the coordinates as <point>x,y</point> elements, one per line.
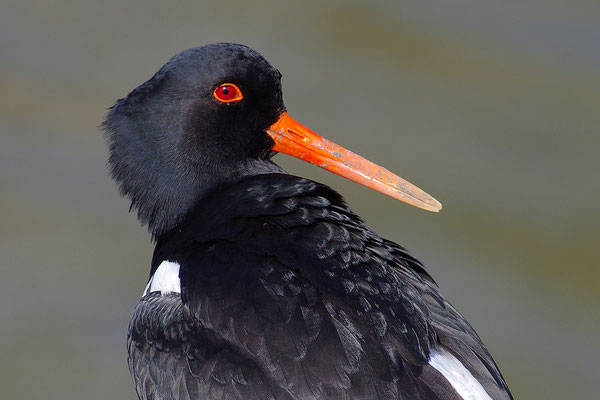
<point>493,107</point>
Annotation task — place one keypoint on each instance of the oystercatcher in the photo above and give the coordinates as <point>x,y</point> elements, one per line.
<point>265,285</point>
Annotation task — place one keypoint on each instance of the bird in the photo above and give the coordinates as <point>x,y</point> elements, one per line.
<point>266,285</point>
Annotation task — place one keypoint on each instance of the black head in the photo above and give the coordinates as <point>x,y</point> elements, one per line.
<point>171,140</point>
<point>180,134</point>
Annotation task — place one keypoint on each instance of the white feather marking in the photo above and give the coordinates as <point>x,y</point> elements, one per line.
<point>459,377</point>
<point>165,279</point>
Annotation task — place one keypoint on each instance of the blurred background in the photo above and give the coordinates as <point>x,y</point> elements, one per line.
<point>492,107</point>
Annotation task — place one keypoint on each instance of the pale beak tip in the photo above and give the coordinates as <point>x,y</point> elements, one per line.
<point>426,202</point>
<point>433,206</point>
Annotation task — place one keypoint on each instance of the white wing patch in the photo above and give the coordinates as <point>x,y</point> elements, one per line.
<point>165,279</point>
<point>459,377</point>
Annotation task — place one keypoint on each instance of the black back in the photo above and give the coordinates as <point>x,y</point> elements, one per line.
<point>287,294</point>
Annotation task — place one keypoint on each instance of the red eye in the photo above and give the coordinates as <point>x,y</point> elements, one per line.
<point>227,93</point>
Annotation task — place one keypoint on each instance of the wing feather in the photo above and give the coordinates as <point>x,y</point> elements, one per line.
<point>287,294</point>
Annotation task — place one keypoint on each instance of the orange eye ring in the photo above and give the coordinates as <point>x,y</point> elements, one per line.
<point>228,93</point>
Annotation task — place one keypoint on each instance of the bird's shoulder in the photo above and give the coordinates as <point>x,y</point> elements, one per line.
<point>282,271</point>
<point>266,228</point>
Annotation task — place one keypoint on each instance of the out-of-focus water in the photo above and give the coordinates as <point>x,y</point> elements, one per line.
<point>492,107</point>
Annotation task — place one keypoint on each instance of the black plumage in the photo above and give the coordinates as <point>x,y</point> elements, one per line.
<point>285,293</point>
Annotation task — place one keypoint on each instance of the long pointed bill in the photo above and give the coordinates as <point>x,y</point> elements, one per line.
<point>298,141</point>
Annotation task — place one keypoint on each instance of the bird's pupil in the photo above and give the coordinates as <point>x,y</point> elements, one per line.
<point>225,91</point>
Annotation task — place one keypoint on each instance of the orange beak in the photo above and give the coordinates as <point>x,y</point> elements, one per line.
<point>298,141</point>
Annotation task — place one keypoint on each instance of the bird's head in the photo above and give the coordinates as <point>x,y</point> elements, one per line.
<point>210,115</point>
